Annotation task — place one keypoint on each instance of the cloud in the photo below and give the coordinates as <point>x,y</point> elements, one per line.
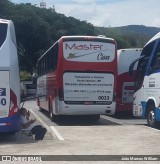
<point>119,13</point>
<point>108,12</point>
<point>83,1</point>
<point>156,22</point>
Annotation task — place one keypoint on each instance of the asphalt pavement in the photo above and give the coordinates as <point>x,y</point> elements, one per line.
<point>109,136</point>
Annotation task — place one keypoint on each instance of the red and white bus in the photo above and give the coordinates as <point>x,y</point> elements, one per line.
<point>126,83</point>
<point>77,76</point>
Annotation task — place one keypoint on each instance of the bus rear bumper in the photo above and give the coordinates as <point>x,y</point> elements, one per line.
<point>10,124</point>
<point>65,109</point>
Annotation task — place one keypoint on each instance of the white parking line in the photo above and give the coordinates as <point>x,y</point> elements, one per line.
<point>58,135</point>
<point>153,128</point>
<point>51,129</point>
<point>112,119</point>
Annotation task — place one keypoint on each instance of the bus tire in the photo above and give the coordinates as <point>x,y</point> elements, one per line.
<point>151,122</point>
<point>95,117</point>
<point>41,109</point>
<point>50,111</point>
<point>11,133</point>
<point>51,115</point>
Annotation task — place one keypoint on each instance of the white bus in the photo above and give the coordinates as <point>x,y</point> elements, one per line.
<point>9,78</point>
<point>126,83</point>
<point>147,89</point>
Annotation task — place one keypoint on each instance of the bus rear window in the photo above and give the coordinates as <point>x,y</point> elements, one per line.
<point>88,51</point>
<point>3,33</point>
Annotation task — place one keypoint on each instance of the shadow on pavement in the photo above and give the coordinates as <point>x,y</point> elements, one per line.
<point>7,138</point>
<point>124,115</point>
<point>78,120</point>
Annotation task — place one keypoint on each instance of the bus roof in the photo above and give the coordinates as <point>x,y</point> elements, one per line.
<point>100,38</point>
<point>130,49</point>
<point>79,38</point>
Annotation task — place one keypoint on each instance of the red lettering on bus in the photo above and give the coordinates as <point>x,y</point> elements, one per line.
<point>83,47</point>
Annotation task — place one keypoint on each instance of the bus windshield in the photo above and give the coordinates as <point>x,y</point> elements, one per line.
<point>88,51</point>
<point>142,65</point>
<point>3,33</point>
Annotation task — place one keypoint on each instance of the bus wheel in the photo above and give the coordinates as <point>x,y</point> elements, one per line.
<point>41,109</point>
<point>95,117</point>
<point>151,117</point>
<point>50,112</point>
<point>51,115</point>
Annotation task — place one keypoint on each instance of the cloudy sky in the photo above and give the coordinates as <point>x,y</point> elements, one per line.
<point>106,13</point>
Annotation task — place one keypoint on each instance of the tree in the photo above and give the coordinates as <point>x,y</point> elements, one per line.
<point>38,28</point>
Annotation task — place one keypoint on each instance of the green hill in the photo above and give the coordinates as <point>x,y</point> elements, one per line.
<point>129,36</point>
<point>37,29</point>
<point>138,29</point>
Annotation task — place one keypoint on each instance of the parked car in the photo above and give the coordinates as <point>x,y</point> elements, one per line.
<point>31,89</point>
<point>27,89</point>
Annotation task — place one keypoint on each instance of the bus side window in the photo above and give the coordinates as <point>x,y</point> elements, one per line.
<point>39,68</point>
<point>49,61</point>
<point>55,56</point>
<point>3,33</point>
<point>43,66</point>
<point>141,71</point>
<point>142,64</point>
<point>52,57</point>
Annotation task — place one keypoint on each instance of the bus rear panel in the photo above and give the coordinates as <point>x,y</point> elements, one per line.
<point>126,83</point>
<point>83,82</point>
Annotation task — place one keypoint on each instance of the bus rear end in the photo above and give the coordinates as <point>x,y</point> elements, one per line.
<point>87,70</point>
<point>9,79</point>
<point>126,83</point>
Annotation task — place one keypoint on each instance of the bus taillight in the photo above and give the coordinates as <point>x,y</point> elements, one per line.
<point>114,96</point>
<point>61,95</point>
<point>129,87</point>
<point>13,104</point>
